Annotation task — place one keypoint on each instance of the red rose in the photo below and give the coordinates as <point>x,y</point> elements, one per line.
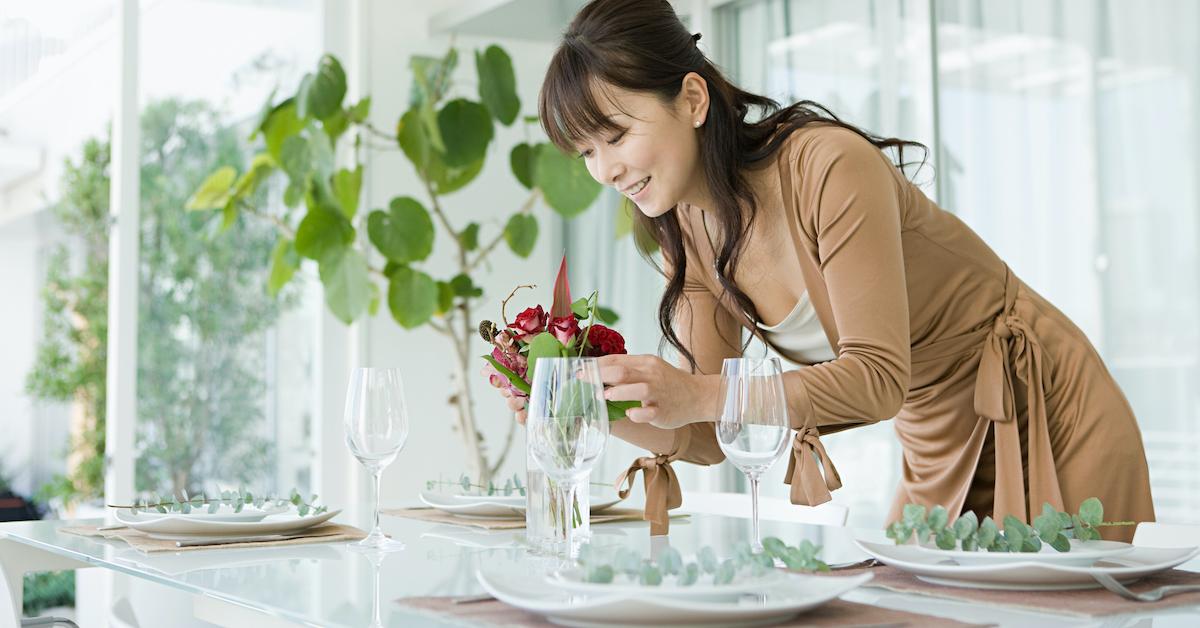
<point>604,341</point>
<point>564,328</point>
<point>530,323</point>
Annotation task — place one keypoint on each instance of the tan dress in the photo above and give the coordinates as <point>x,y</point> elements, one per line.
<point>1000,402</point>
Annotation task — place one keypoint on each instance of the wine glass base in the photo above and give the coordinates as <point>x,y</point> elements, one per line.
<point>376,544</point>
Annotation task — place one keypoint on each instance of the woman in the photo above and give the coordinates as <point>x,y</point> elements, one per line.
<point>799,229</point>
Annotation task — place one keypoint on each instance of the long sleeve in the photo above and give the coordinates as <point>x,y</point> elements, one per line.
<point>846,198</point>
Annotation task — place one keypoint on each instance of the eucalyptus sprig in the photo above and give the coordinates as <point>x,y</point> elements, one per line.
<point>511,485</point>
<point>236,499</point>
<point>603,567</point>
<point>1052,527</point>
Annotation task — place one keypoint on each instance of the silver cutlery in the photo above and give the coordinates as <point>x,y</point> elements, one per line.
<point>1153,595</point>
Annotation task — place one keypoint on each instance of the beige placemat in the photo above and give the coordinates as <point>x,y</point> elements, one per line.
<point>429,514</point>
<point>1082,603</point>
<point>324,533</point>
<point>835,613</point>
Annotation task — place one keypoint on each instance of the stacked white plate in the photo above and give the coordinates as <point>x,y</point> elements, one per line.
<point>569,604</point>
<point>223,525</point>
<point>1047,570</point>
<point>499,506</point>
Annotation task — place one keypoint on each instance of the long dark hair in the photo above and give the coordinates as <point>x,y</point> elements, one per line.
<point>640,45</point>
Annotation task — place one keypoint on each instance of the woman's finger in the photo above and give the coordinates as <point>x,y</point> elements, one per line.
<point>628,392</point>
<point>642,415</point>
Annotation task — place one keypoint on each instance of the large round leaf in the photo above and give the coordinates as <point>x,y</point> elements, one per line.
<point>323,233</point>
<point>284,262</point>
<point>281,124</point>
<point>564,181</point>
<point>347,285</point>
<point>498,84</point>
<point>346,187</point>
<point>412,138</point>
<point>214,192</point>
<point>521,234</point>
<point>404,233</point>
<point>412,296</point>
<point>327,89</point>
<point>522,160</point>
<point>447,180</point>
<point>296,158</point>
<point>466,130</point>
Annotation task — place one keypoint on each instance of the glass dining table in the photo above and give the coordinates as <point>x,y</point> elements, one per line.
<point>331,585</point>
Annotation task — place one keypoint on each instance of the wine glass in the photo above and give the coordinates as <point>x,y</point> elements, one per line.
<point>567,427</point>
<point>753,428</point>
<point>376,426</point>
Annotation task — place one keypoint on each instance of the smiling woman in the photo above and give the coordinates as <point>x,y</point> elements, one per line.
<point>797,212</point>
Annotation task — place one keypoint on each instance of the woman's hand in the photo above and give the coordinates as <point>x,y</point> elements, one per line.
<point>670,397</point>
<point>516,404</point>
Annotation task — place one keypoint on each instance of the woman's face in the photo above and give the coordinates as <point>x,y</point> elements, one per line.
<point>655,160</point>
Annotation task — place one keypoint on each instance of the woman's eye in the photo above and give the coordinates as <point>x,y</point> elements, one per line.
<point>617,138</point>
<point>585,154</point>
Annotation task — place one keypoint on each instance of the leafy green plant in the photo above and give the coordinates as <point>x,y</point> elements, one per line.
<point>235,499</point>
<point>47,589</point>
<point>512,485</point>
<point>445,135</point>
<point>1052,527</point>
<point>608,565</point>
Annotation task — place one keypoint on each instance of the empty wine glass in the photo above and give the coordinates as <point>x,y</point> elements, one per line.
<point>753,428</point>
<point>567,427</point>
<point>376,426</point>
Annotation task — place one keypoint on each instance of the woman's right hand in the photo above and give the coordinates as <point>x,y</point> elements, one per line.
<point>516,404</point>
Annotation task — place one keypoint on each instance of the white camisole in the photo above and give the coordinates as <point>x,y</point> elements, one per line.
<point>799,337</point>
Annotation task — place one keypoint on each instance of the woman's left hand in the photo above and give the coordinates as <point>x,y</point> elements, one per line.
<point>670,397</point>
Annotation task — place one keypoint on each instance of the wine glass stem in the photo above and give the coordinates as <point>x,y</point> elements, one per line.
<point>568,508</point>
<point>375,502</point>
<point>757,539</point>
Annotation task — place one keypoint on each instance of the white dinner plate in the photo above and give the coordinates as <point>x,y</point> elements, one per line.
<point>224,513</point>
<point>791,596</point>
<point>492,506</point>
<point>281,523</point>
<point>1027,576</point>
<point>572,580</point>
<point>1082,554</point>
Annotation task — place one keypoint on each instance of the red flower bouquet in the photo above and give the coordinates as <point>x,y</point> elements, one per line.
<point>571,328</point>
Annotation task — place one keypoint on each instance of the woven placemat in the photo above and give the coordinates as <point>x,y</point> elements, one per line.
<point>429,514</point>
<point>324,533</point>
<point>835,613</point>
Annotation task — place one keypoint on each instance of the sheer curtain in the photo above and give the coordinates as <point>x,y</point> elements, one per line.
<point>1062,131</point>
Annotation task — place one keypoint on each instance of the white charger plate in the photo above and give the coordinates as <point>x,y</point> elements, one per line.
<point>1082,554</point>
<point>224,513</point>
<point>492,506</point>
<point>282,523</point>
<point>1027,576</point>
<point>790,597</point>
<point>573,580</point>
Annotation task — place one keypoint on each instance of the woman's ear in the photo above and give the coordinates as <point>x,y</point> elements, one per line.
<point>694,98</point>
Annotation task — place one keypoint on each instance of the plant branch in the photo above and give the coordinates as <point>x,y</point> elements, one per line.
<point>280,224</point>
<point>504,303</point>
<point>486,250</point>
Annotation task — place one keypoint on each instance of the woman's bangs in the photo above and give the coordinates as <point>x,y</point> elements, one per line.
<point>569,109</point>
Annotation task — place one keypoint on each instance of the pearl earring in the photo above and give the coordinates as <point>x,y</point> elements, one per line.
<point>697,124</point>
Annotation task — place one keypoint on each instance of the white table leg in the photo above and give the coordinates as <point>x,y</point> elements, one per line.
<point>17,559</point>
